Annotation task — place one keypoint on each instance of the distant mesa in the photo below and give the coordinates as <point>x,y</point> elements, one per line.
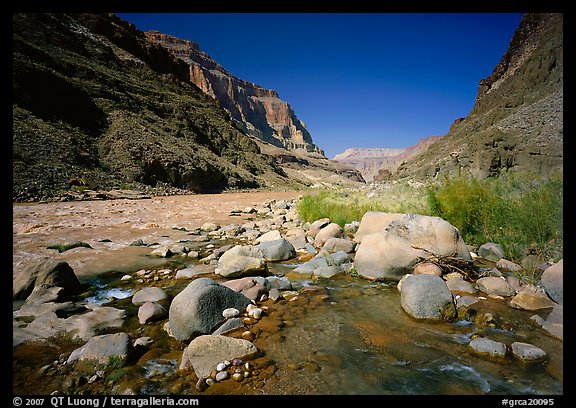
<point>376,164</point>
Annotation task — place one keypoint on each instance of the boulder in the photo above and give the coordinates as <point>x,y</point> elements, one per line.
<point>531,298</point>
<point>241,260</point>
<point>554,323</point>
<point>316,226</point>
<point>331,230</point>
<point>251,287</point>
<point>430,233</point>
<point>492,285</point>
<point>553,281</point>
<point>528,353</point>
<point>197,309</point>
<point>105,350</point>
<point>51,319</point>
<point>47,272</point>
<point>150,312</point>
<point>205,352</point>
<point>488,348</point>
<point>384,255</point>
<point>460,285</point>
<point>322,260</point>
<point>374,221</point>
<point>491,251</point>
<point>427,297</point>
<point>268,236</point>
<point>151,294</point>
<point>277,250</point>
<point>427,268</point>
<point>339,244</point>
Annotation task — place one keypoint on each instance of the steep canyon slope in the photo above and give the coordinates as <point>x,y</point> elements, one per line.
<point>516,124</point>
<point>97,105</point>
<point>261,113</point>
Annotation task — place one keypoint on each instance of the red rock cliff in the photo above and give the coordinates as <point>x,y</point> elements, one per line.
<point>258,111</point>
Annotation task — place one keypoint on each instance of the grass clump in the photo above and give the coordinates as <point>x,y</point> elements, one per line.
<point>521,213</point>
<point>345,206</point>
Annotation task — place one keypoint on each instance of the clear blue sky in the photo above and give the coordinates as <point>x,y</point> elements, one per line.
<point>355,79</point>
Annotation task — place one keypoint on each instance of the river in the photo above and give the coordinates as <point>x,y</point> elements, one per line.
<point>345,335</point>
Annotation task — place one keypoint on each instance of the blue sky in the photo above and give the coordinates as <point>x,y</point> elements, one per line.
<point>355,79</point>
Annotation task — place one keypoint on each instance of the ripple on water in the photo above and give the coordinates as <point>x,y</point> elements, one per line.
<point>104,295</point>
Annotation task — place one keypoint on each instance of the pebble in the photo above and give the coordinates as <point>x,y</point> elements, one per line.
<point>221,367</point>
<point>248,335</point>
<point>230,312</point>
<point>221,375</point>
<point>238,376</point>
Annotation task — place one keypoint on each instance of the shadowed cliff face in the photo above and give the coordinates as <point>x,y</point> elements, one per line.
<point>258,111</point>
<point>94,99</point>
<point>516,124</point>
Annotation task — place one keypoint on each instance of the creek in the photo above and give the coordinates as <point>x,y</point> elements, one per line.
<point>342,335</point>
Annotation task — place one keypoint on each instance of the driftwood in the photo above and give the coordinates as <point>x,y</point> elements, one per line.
<point>449,264</point>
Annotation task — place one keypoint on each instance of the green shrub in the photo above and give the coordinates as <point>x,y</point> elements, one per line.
<point>522,214</point>
<point>343,207</point>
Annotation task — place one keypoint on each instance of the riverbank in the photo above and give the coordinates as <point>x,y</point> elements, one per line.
<point>322,328</point>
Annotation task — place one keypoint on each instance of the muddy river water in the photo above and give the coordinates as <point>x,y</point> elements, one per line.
<point>349,336</point>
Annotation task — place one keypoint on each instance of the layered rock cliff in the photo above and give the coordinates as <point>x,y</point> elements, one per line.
<point>258,111</point>
<point>516,124</point>
<point>94,99</point>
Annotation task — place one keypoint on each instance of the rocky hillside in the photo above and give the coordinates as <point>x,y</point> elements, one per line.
<point>516,123</point>
<point>377,164</point>
<point>97,105</point>
<point>258,111</point>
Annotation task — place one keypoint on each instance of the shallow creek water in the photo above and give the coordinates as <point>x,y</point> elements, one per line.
<point>343,335</point>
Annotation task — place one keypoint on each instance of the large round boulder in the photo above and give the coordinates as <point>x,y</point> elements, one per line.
<point>374,221</point>
<point>427,297</point>
<point>430,233</point>
<point>198,308</point>
<point>385,256</point>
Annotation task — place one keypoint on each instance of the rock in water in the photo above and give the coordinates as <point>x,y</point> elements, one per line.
<point>197,309</point>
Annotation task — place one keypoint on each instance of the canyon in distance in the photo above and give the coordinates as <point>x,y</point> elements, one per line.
<point>160,245</point>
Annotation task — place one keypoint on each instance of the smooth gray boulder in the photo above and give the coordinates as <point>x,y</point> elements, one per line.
<point>491,251</point>
<point>427,297</point>
<point>493,285</point>
<point>277,250</point>
<point>197,309</point>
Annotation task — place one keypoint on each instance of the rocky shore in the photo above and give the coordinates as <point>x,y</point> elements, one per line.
<point>226,291</point>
